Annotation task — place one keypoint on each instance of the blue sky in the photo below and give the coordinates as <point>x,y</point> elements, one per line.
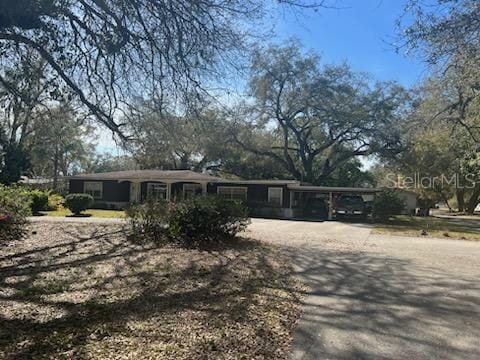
<point>359,32</point>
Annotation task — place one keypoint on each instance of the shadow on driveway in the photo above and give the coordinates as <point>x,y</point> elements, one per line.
<point>371,306</point>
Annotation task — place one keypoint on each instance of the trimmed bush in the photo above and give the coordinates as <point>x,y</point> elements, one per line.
<point>39,201</point>
<point>55,201</point>
<point>207,218</point>
<point>196,221</point>
<point>14,209</point>
<point>77,203</point>
<point>386,204</point>
<point>148,220</point>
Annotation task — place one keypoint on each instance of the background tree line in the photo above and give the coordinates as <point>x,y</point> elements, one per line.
<point>70,66</point>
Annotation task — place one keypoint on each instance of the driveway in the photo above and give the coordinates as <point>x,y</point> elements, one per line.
<point>380,297</point>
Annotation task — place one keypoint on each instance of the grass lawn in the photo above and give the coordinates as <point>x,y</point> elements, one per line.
<point>93,212</point>
<point>71,291</point>
<point>468,229</point>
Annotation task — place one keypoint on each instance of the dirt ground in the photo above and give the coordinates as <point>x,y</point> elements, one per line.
<point>81,290</point>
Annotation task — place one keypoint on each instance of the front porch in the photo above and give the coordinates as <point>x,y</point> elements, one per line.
<point>143,189</point>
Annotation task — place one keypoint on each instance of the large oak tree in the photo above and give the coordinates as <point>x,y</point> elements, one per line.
<point>321,117</point>
<point>103,52</point>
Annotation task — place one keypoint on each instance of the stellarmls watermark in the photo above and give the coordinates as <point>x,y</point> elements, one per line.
<point>419,181</point>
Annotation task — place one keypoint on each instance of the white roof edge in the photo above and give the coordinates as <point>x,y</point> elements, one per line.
<point>266,182</point>
<point>333,188</point>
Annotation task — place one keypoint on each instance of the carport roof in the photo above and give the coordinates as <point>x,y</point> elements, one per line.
<point>330,189</point>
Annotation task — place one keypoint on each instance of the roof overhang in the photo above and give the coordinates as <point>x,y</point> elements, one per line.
<point>260,182</point>
<point>331,189</point>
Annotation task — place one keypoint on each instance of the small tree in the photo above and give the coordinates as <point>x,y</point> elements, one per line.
<point>77,203</point>
<point>386,204</point>
<point>39,201</point>
<point>14,209</point>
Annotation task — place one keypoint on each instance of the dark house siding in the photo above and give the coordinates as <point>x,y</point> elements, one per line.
<point>112,190</point>
<point>257,194</point>
<point>75,187</point>
<point>116,191</point>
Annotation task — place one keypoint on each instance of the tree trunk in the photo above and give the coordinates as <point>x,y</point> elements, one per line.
<point>473,200</point>
<point>55,169</point>
<point>446,202</point>
<point>460,199</point>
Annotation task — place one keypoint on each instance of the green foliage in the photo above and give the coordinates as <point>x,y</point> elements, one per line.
<point>294,99</point>
<point>350,174</point>
<point>55,201</point>
<point>440,150</point>
<point>14,161</point>
<point>204,219</point>
<point>14,209</point>
<point>39,201</point>
<point>386,204</point>
<point>148,220</point>
<point>77,203</point>
<point>196,221</point>
<point>60,143</point>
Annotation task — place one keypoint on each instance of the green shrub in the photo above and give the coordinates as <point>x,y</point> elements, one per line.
<point>149,220</point>
<point>206,218</point>
<point>386,204</point>
<point>77,203</point>
<point>195,221</point>
<point>39,201</point>
<point>14,209</point>
<point>55,201</point>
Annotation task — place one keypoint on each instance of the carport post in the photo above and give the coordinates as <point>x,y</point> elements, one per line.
<point>330,206</point>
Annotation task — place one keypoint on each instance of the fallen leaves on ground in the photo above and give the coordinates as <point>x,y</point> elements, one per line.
<point>84,291</point>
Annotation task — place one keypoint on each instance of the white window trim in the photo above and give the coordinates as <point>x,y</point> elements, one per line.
<point>192,187</point>
<point>163,185</point>
<point>233,187</point>
<point>281,194</point>
<point>94,182</point>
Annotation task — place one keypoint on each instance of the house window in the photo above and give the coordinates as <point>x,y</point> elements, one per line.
<point>156,191</point>
<point>94,188</point>
<point>233,192</point>
<point>191,190</point>
<point>275,196</point>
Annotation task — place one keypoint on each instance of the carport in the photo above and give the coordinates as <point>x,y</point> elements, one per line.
<point>300,193</point>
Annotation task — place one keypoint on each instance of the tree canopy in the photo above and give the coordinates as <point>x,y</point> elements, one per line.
<point>318,118</point>
<point>446,33</point>
<point>103,52</point>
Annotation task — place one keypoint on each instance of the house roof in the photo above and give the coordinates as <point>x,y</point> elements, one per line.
<point>260,182</point>
<point>154,175</point>
<point>334,189</point>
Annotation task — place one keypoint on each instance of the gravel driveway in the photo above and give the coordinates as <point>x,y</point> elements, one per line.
<point>381,297</point>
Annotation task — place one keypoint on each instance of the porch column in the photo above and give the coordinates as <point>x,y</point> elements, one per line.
<point>204,189</point>
<point>330,206</point>
<point>135,191</point>
<point>169,190</point>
